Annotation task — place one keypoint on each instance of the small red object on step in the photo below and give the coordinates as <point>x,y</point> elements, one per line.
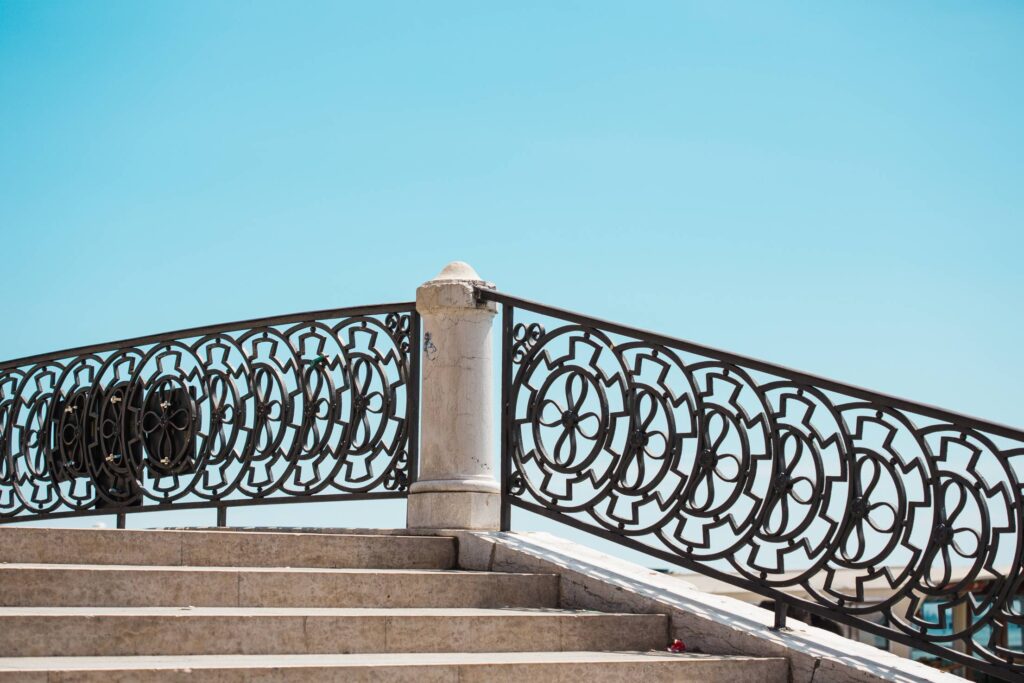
<point>677,646</point>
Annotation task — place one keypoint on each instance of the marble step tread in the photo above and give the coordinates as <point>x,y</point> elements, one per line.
<point>224,548</point>
<point>98,631</point>
<point>459,667</point>
<point>35,584</point>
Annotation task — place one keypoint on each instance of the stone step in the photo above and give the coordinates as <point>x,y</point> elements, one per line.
<point>224,548</point>
<point>115,631</point>
<point>484,667</point>
<point>60,585</point>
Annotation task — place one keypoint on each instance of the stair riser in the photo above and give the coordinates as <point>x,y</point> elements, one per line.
<point>47,636</point>
<point>773,671</point>
<point>224,549</point>
<point>31,587</point>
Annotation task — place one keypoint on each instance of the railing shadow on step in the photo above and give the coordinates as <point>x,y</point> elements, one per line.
<point>893,517</point>
<point>307,407</point>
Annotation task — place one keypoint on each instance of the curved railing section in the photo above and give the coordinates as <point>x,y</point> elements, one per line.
<point>312,406</point>
<point>897,518</point>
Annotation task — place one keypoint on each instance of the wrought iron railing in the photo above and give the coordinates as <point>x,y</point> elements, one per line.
<point>895,518</point>
<point>314,406</point>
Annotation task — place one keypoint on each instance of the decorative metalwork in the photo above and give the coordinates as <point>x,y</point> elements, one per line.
<point>896,518</point>
<point>306,407</point>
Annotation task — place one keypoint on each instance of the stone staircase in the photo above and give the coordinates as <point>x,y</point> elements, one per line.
<point>103,605</point>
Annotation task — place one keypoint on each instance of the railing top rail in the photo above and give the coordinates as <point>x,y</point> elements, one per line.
<point>269,321</point>
<point>956,418</point>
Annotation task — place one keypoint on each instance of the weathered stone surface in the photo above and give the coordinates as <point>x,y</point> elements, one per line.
<point>310,550</point>
<point>89,546</point>
<point>461,509</point>
<point>95,631</point>
<point>141,586</point>
<point>102,621</point>
<point>456,485</point>
<point>224,548</point>
<point>552,667</point>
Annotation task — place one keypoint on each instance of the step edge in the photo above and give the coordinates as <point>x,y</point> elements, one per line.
<point>194,532</point>
<point>171,662</point>
<point>60,612</point>
<point>256,569</point>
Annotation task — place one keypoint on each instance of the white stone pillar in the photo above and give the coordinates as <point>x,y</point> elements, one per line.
<point>456,488</point>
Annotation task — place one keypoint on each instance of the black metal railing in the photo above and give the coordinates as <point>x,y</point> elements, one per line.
<point>313,406</point>
<point>895,518</point>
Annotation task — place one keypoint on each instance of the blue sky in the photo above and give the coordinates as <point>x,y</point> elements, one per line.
<point>833,186</point>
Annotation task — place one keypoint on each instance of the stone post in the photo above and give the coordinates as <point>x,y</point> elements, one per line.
<point>456,488</point>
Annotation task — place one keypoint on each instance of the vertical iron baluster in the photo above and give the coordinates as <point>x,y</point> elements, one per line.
<point>507,312</point>
<point>413,397</point>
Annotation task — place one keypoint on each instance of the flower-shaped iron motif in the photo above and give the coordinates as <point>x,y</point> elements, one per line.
<point>570,417</point>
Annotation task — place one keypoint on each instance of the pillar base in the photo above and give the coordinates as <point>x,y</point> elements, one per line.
<point>474,510</point>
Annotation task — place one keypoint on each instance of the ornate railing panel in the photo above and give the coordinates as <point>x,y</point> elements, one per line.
<point>313,406</point>
<point>896,518</point>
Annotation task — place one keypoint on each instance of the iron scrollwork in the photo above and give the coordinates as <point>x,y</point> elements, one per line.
<point>889,516</point>
<point>277,410</point>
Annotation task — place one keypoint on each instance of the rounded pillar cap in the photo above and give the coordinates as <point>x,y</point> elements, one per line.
<point>458,270</point>
<point>454,287</point>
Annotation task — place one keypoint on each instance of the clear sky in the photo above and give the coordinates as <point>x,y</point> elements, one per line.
<point>833,186</point>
